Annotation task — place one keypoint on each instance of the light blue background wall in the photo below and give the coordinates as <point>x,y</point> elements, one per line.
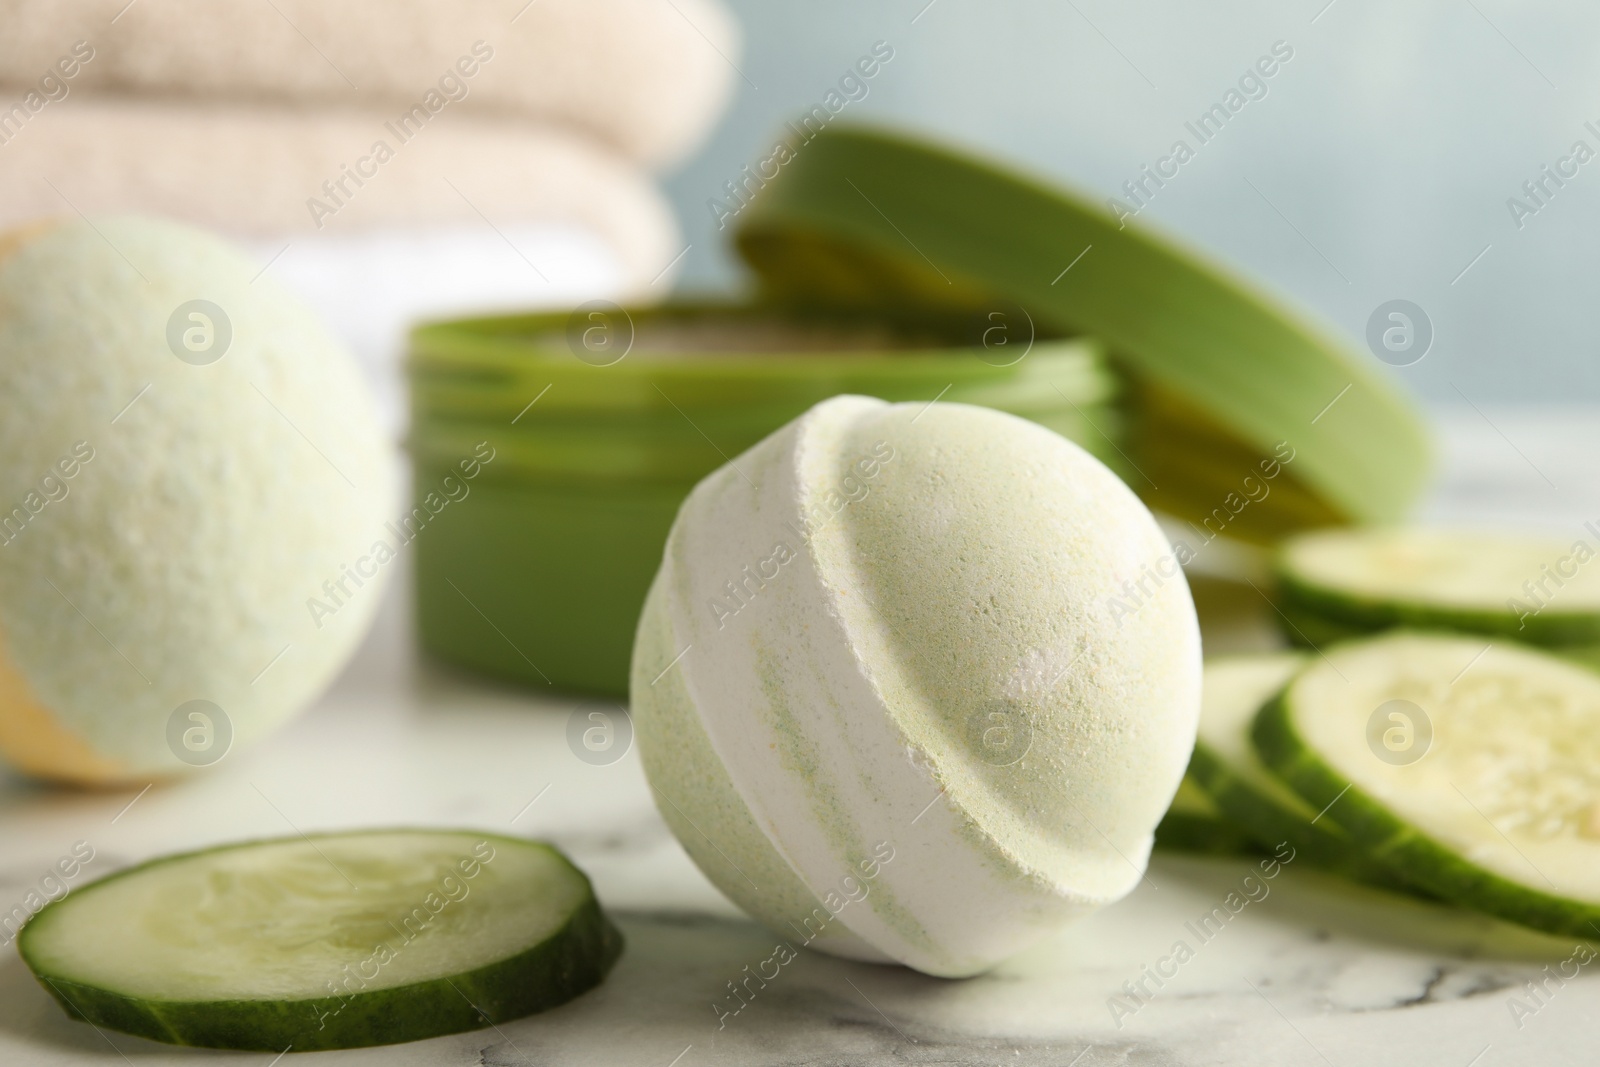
<point>1391,141</point>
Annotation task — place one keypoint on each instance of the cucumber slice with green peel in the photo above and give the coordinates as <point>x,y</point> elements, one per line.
<point>328,941</point>
<point>1471,766</point>
<point>1226,766</point>
<point>1193,823</point>
<point>1536,590</point>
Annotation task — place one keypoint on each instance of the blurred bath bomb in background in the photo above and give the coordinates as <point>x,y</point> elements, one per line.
<point>193,487</point>
<point>916,682</point>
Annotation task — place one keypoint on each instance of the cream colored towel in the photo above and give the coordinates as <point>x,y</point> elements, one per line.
<point>278,172</point>
<point>648,77</point>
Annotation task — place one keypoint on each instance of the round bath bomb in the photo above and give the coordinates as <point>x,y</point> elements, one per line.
<point>192,482</point>
<point>916,682</point>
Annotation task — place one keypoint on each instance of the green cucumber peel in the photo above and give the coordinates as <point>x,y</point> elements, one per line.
<point>1194,824</point>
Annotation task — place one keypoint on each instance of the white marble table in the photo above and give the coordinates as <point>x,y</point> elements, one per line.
<point>1317,972</point>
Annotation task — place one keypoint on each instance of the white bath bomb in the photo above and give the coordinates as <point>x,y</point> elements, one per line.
<point>186,457</point>
<point>916,683</point>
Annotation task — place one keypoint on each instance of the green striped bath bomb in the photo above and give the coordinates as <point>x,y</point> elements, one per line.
<point>915,682</point>
<point>188,461</point>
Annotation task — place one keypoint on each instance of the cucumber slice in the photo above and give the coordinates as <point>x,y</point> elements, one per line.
<point>1226,766</point>
<point>1193,823</point>
<point>328,941</point>
<point>1484,787</point>
<point>1540,591</point>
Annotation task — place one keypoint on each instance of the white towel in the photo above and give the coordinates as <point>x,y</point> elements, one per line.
<point>279,172</point>
<point>648,77</point>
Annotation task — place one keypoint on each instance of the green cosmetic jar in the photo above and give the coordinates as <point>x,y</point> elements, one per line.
<point>584,431</point>
<point>895,268</point>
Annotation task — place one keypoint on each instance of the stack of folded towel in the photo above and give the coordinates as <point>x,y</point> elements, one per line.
<point>400,157</point>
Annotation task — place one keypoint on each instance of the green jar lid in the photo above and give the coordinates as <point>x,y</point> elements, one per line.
<point>1231,383</point>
